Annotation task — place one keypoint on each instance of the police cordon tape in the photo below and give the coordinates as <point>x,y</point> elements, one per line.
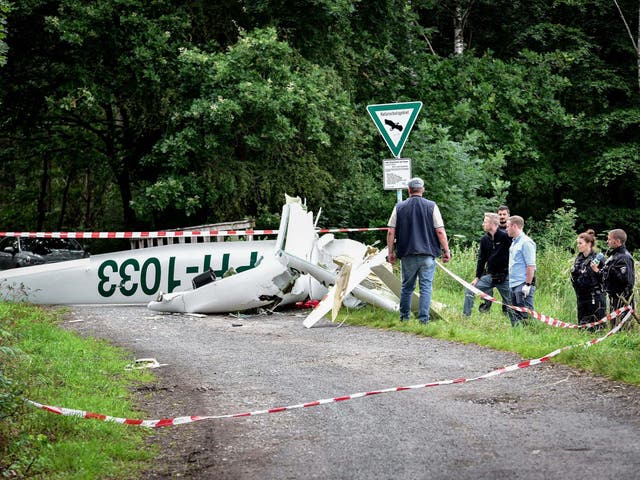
<point>173,233</point>
<point>524,364</point>
<point>167,422</point>
<point>195,418</point>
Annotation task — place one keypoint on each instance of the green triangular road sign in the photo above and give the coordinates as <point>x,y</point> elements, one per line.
<point>394,122</point>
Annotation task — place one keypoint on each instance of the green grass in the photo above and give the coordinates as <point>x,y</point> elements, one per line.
<point>42,362</point>
<point>617,357</point>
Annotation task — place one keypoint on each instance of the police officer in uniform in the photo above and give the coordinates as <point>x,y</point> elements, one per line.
<point>618,273</point>
<point>590,296</point>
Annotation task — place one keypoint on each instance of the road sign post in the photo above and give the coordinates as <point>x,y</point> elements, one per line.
<point>394,122</point>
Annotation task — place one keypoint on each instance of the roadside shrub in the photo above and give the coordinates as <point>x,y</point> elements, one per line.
<point>11,464</point>
<point>558,229</point>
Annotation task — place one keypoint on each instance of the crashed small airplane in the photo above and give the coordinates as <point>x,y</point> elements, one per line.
<point>220,277</point>
<point>300,266</point>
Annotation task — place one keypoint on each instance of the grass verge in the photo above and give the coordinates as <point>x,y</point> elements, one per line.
<point>44,363</point>
<point>617,357</point>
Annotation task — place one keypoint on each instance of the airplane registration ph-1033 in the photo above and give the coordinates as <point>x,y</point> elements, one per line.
<point>220,277</point>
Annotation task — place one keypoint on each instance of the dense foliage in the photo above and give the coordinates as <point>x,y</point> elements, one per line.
<point>123,114</point>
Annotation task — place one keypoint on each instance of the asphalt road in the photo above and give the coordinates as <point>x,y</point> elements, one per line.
<point>542,422</point>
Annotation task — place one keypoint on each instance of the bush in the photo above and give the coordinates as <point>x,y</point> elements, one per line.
<point>11,465</point>
<point>558,229</point>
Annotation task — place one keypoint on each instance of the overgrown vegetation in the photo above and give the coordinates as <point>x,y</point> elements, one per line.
<point>44,363</point>
<point>617,357</point>
<point>144,115</point>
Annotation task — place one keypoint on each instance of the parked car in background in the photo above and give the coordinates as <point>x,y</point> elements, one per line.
<point>23,252</point>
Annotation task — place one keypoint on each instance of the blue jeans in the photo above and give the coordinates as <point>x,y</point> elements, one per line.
<point>519,300</point>
<point>485,284</point>
<point>422,268</point>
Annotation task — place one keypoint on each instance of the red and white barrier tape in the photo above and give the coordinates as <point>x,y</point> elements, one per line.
<point>172,233</point>
<point>554,322</point>
<point>344,230</point>
<point>131,235</point>
<point>527,363</point>
<point>166,422</point>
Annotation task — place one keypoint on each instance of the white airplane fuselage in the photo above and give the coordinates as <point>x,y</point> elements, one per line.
<point>132,276</point>
<point>248,274</point>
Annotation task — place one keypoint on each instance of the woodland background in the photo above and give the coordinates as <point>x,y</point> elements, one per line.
<point>153,114</point>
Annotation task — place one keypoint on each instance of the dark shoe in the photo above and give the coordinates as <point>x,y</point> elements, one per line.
<point>484,307</point>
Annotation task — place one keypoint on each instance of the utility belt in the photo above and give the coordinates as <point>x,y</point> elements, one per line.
<point>498,278</point>
<point>623,293</point>
<point>589,290</point>
<point>533,282</point>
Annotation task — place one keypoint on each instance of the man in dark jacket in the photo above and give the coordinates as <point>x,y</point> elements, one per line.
<point>503,214</point>
<point>618,273</point>
<point>416,230</point>
<point>492,268</point>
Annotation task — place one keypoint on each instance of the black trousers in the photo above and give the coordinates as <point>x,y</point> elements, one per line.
<point>592,306</point>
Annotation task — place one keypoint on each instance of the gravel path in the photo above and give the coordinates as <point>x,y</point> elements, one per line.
<point>543,422</point>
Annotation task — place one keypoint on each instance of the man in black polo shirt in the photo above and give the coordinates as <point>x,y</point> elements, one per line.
<point>492,268</point>
<point>503,215</point>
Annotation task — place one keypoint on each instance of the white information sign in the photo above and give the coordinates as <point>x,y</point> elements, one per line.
<point>396,172</point>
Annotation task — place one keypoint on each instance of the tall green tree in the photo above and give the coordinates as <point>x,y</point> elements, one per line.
<point>256,122</point>
<point>99,76</point>
<point>512,108</point>
<point>127,112</point>
<point>569,125</point>
<point>597,162</point>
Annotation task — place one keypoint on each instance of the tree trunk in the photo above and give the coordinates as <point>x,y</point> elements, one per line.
<point>120,168</point>
<point>458,31</point>
<point>65,199</point>
<point>129,217</point>
<point>635,42</point>
<point>42,195</point>
<point>87,199</point>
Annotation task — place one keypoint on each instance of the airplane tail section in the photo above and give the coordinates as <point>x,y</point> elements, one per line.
<point>297,233</point>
